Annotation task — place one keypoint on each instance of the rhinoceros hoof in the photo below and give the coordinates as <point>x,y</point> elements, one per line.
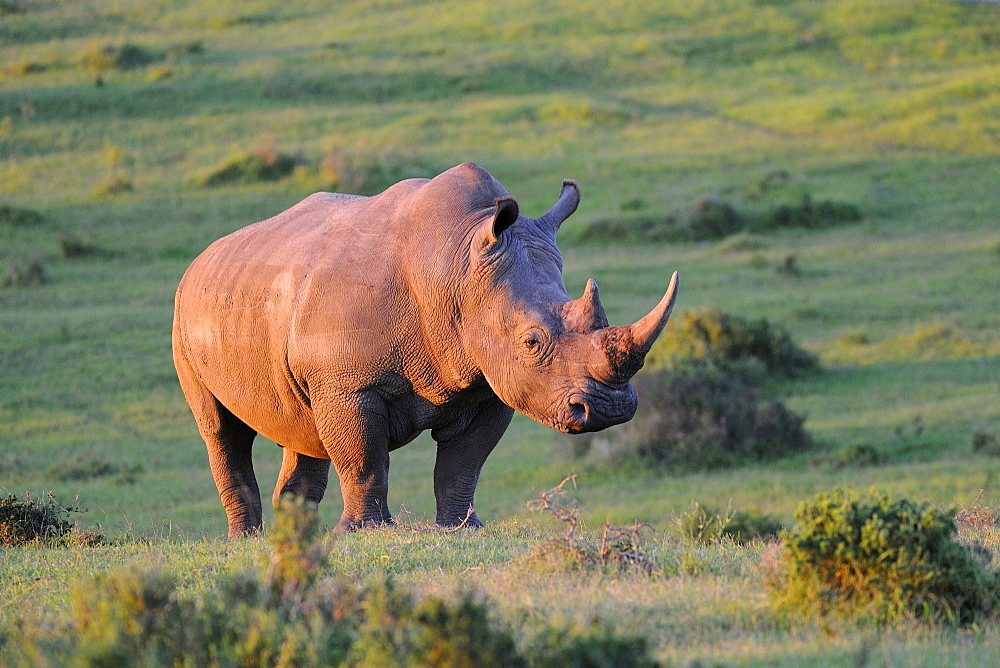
<point>352,524</point>
<point>470,522</point>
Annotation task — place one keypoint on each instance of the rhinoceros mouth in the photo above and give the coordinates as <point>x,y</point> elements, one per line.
<point>594,411</point>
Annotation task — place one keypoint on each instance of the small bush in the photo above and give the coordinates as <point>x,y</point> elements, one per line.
<point>876,559</point>
<point>23,68</point>
<point>595,646</point>
<point>82,467</point>
<point>985,442</point>
<point>706,524</point>
<point>253,167</point>
<point>858,455</point>
<point>18,217</point>
<point>694,417</point>
<point>805,214</point>
<point>710,218</point>
<point>115,184</point>
<point>644,228</point>
<point>399,632</point>
<point>73,246</point>
<point>789,266</point>
<point>102,57</point>
<point>729,341</point>
<point>28,520</point>
<point>30,275</point>
<point>742,242</point>
<point>766,207</point>
<point>619,548</point>
<point>370,173</point>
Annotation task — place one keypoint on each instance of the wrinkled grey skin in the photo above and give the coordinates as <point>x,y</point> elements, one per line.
<point>344,326</point>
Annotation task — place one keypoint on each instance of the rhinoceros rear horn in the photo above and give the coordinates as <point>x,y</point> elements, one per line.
<point>569,199</point>
<point>626,347</point>
<point>586,313</point>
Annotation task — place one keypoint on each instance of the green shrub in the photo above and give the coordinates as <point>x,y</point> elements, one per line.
<point>263,163</point>
<point>399,632</point>
<point>83,467</point>
<point>858,455</point>
<point>743,242</point>
<point>706,524</point>
<point>73,246</point>
<point>360,173</point>
<point>729,341</point>
<point>985,443</point>
<point>642,228</point>
<point>804,214</point>
<point>101,57</point>
<point>766,208</point>
<point>114,184</point>
<point>876,559</point>
<point>30,275</point>
<point>596,647</point>
<point>29,520</point>
<point>694,417</point>
<point>18,217</point>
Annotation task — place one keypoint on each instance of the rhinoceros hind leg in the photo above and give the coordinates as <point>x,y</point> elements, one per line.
<point>230,443</point>
<point>302,476</point>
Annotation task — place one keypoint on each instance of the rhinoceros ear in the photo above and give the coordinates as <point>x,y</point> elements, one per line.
<point>505,215</point>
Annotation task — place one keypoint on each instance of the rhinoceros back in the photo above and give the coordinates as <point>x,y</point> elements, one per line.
<point>256,304</point>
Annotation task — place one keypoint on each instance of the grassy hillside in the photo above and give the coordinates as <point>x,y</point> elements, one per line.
<point>114,114</point>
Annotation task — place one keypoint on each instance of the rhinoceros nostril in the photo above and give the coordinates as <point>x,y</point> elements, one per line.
<point>579,410</point>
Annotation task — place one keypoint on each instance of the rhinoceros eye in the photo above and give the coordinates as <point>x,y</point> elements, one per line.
<point>534,343</point>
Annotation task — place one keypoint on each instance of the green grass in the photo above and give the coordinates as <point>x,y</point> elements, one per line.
<point>891,107</point>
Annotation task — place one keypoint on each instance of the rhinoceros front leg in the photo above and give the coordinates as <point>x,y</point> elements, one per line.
<point>460,459</point>
<point>355,434</point>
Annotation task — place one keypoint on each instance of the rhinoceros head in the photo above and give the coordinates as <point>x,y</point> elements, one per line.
<point>553,358</point>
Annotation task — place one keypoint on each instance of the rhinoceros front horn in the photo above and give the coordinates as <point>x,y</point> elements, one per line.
<point>626,347</point>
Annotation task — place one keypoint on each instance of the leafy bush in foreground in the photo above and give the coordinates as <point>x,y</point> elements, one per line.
<point>296,615</point>
<point>877,559</point>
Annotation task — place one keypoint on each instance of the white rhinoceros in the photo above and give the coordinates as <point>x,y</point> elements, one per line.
<point>344,326</point>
